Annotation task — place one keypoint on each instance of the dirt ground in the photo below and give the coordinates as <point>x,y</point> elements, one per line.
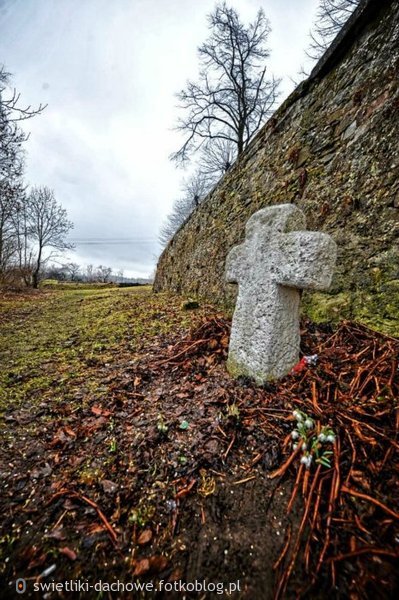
<point>128,453</point>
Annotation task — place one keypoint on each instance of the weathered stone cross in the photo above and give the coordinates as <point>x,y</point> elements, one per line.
<point>275,261</point>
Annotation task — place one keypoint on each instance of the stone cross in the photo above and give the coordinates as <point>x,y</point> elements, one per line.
<point>275,262</point>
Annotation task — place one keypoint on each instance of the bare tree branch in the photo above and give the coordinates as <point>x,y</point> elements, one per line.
<point>233,96</point>
<point>48,225</point>
<point>194,189</point>
<point>330,18</point>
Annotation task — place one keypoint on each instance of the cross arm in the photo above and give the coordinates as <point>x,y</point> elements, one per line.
<point>307,260</point>
<point>235,263</point>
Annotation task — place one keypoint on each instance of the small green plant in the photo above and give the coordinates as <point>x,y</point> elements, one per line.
<point>312,444</point>
<point>161,425</point>
<point>144,512</point>
<point>112,445</point>
<point>233,411</point>
<point>136,516</point>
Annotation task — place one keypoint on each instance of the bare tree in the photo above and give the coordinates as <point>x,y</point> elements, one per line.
<point>56,271</point>
<point>331,16</point>
<point>181,210</point>
<point>48,226</point>
<point>13,234</point>
<point>8,203</point>
<point>21,226</point>
<point>73,270</point>
<point>194,189</point>
<point>233,96</point>
<point>11,136</point>
<point>216,159</point>
<point>89,273</point>
<point>103,273</point>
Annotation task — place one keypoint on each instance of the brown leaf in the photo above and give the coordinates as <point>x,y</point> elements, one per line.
<point>158,563</point>
<point>94,528</point>
<point>69,431</point>
<point>68,552</point>
<point>145,537</point>
<point>142,566</point>
<point>224,341</point>
<point>69,504</point>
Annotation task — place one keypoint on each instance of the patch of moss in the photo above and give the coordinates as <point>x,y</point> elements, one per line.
<point>379,310</point>
<point>322,308</point>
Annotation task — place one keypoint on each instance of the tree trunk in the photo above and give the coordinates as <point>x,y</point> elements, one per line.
<point>35,274</point>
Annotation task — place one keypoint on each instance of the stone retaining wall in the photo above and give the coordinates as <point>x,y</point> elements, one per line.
<point>333,149</point>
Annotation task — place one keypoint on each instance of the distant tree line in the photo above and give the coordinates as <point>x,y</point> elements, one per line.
<point>33,226</point>
<point>72,271</point>
<point>232,98</point>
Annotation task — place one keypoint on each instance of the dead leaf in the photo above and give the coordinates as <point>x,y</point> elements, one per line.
<point>69,504</point>
<point>142,566</point>
<point>98,411</point>
<point>69,431</point>
<point>75,461</point>
<point>145,537</point>
<point>224,341</point>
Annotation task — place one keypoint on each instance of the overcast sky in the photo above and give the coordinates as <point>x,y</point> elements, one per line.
<point>108,71</point>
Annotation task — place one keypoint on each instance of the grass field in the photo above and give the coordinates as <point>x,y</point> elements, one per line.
<point>52,343</point>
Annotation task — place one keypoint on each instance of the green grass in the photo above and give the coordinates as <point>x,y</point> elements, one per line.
<point>53,343</point>
<point>74,285</point>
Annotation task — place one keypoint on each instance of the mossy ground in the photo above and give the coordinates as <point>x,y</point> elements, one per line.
<point>52,343</point>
